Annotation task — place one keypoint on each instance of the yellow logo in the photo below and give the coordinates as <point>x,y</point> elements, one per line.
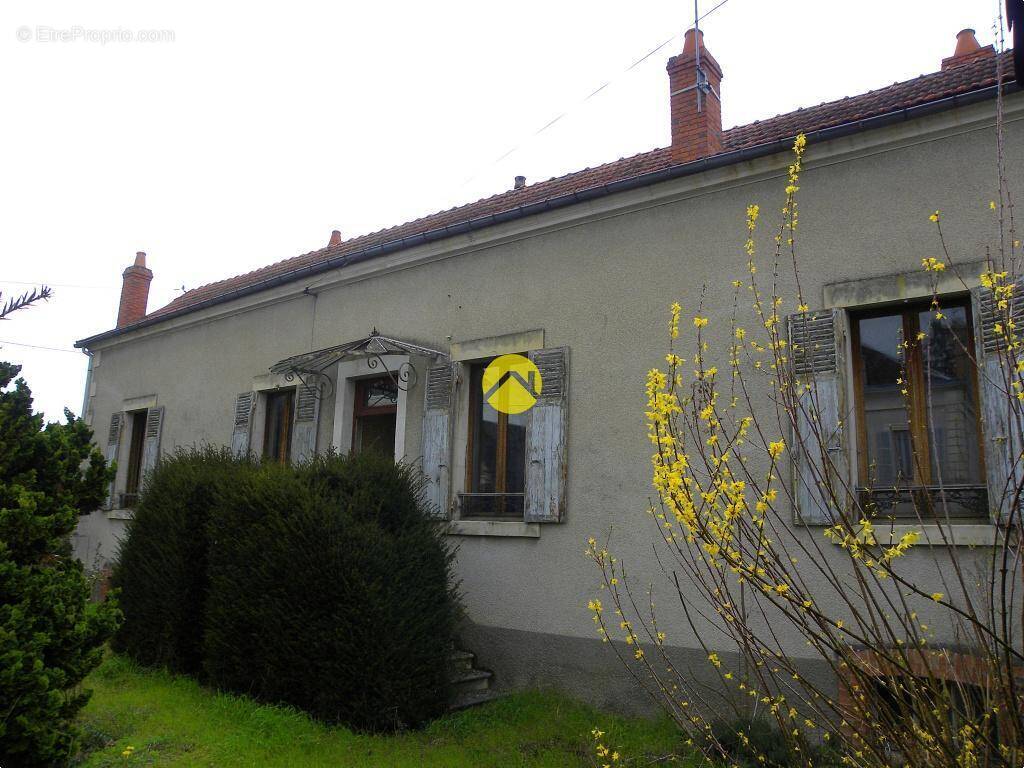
<point>511,384</point>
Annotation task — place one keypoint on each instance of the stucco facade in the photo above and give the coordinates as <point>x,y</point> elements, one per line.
<point>595,278</point>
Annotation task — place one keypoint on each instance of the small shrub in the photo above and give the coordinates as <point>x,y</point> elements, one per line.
<point>331,590</point>
<point>161,569</point>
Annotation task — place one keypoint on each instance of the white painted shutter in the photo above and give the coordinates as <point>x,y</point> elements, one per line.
<point>113,444</point>
<point>820,449</point>
<point>437,423</point>
<point>151,446</point>
<point>244,405</point>
<point>1001,413</point>
<point>307,418</point>
<point>546,439</point>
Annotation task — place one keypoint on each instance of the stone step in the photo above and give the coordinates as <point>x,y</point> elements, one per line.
<point>461,660</point>
<point>470,681</point>
<point>473,699</point>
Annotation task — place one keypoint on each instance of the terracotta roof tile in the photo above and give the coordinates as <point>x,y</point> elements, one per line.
<point>971,76</point>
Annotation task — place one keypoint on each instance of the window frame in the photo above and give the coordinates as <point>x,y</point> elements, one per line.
<point>136,448</point>
<point>914,373</point>
<point>288,414</point>
<point>360,410</point>
<point>501,494</point>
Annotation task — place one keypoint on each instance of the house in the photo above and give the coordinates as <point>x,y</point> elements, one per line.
<point>381,342</point>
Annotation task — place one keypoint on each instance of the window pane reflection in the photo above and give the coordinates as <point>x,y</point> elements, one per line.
<point>951,398</point>
<point>888,449</point>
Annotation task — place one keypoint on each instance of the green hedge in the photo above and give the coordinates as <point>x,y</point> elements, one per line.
<point>161,570</point>
<point>327,587</point>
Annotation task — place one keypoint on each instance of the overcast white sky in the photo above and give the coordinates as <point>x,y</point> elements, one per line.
<point>263,126</point>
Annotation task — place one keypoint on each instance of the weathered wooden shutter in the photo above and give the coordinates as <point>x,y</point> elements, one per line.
<point>113,444</point>
<point>546,435</point>
<point>1000,412</point>
<point>245,402</point>
<point>437,422</point>
<point>307,413</point>
<point>820,450</point>
<point>151,446</point>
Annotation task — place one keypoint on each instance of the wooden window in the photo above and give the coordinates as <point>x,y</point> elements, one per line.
<point>495,457</point>
<point>277,432</point>
<point>374,415</point>
<point>134,477</point>
<point>918,415</point>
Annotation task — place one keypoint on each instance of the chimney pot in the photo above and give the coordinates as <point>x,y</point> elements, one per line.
<point>967,49</point>
<point>520,182</point>
<point>694,101</point>
<point>690,42</point>
<point>134,291</point>
<point>335,238</point>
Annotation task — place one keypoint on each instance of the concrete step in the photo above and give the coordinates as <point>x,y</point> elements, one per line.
<point>473,699</point>
<point>470,681</point>
<point>461,660</point>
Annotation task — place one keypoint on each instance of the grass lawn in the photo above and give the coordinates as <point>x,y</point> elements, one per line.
<point>172,721</point>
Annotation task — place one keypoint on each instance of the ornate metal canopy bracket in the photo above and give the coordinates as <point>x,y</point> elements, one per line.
<point>374,348</point>
<point>322,386</point>
<point>405,377</point>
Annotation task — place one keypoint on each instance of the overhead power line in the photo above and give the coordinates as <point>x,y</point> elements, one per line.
<point>59,285</point>
<point>38,346</point>
<point>586,98</point>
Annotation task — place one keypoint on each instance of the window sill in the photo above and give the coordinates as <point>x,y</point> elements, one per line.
<point>120,514</point>
<point>494,528</point>
<point>956,534</point>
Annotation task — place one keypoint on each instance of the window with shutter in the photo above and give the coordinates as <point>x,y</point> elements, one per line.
<point>151,446</point>
<point>113,445</point>
<point>1000,412</point>
<point>547,425</point>
<point>438,394</point>
<point>307,413</point>
<point>918,426</point>
<point>820,450</point>
<point>245,402</point>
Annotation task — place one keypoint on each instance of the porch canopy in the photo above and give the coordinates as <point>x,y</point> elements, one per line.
<point>375,347</point>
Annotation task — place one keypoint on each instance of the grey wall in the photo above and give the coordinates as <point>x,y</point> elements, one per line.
<point>601,288</point>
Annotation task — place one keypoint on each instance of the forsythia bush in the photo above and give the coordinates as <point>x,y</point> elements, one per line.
<point>51,637</point>
<point>325,586</point>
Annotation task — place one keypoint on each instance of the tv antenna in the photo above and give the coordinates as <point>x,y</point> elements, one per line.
<point>702,86</point>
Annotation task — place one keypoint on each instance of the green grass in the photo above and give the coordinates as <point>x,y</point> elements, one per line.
<point>173,721</point>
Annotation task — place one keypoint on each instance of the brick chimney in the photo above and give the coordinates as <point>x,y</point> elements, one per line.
<point>335,238</point>
<point>134,292</point>
<point>967,49</point>
<point>696,105</point>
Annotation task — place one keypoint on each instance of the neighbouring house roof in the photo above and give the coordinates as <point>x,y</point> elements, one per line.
<point>944,89</point>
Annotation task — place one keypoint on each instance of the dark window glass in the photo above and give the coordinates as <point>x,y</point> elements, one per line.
<point>951,398</point>
<point>885,414</point>
<point>134,479</point>
<point>496,454</point>
<point>918,412</point>
<point>277,434</point>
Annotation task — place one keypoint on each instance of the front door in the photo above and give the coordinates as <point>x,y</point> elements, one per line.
<point>374,416</point>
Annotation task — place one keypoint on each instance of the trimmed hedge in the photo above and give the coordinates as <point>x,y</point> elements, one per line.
<point>327,587</point>
<point>161,569</point>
